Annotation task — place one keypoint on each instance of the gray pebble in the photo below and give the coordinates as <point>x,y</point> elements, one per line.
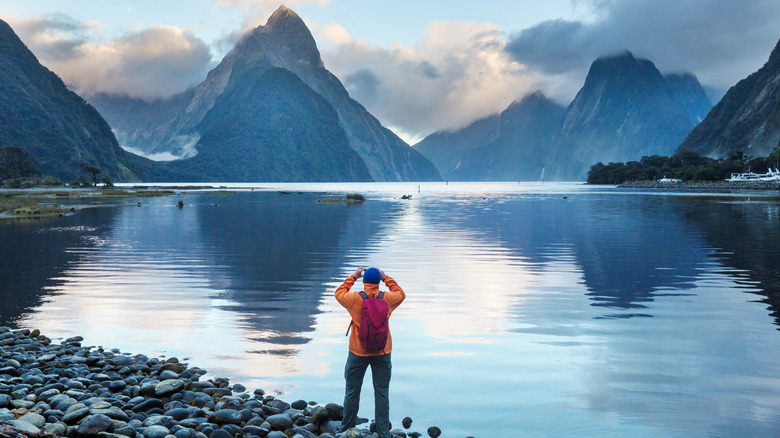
<point>25,426</point>
<point>126,431</point>
<point>76,415</point>
<point>178,414</point>
<point>155,432</point>
<point>279,422</point>
<point>220,433</point>
<point>94,424</point>
<point>168,387</point>
<point>168,374</point>
<point>57,429</point>
<point>183,433</point>
<point>36,420</point>
<point>160,420</point>
<point>223,416</point>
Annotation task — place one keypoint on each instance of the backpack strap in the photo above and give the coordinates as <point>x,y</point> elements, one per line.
<point>365,297</point>
<point>351,323</point>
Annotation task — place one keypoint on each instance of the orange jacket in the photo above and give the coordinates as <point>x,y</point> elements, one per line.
<point>353,302</point>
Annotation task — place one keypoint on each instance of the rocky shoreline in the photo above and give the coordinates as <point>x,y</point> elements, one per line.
<point>50,390</point>
<point>724,186</point>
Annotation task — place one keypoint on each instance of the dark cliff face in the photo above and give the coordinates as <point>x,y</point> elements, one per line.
<point>284,42</point>
<point>274,145</point>
<point>446,149</point>
<point>522,151</point>
<point>690,95</point>
<point>625,110</point>
<point>41,116</point>
<point>510,146</point>
<point>746,119</point>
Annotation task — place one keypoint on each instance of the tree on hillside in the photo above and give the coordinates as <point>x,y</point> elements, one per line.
<point>92,171</point>
<point>16,163</point>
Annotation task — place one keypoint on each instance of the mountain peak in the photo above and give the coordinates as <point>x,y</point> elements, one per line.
<point>625,54</point>
<point>529,99</point>
<point>284,19</point>
<point>283,11</point>
<point>621,67</point>
<point>774,57</point>
<point>622,60</point>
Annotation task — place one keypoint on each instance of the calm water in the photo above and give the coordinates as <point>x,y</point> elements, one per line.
<point>532,310</point>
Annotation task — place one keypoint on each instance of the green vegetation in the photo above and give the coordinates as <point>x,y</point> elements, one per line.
<point>34,205</point>
<point>354,198</point>
<point>684,165</point>
<point>350,198</point>
<point>92,171</point>
<point>14,207</point>
<point>19,169</point>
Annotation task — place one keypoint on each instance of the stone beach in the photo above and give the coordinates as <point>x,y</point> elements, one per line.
<point>68,390</point>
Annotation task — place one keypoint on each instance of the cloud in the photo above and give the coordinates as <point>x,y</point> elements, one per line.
<point>366,84</point>
<point>268,4</point>
<point>460,72</point>
<point>720,41</point>
<point>155,62</point>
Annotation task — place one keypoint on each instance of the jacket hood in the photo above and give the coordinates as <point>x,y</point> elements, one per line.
<point>372,290</point>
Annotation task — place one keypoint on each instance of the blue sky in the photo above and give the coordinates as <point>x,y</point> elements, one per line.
<point>419,66</point>
<point>378,22</point>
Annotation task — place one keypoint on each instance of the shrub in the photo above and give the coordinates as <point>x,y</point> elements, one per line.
<point>354,197</point>
<point>50,181</point>
<point>81,182</point>
<point>12,183</point>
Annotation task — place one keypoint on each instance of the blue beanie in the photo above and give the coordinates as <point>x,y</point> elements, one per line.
<point>372,275</point>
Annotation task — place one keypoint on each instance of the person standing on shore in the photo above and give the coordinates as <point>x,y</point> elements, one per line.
<point>360,354</point>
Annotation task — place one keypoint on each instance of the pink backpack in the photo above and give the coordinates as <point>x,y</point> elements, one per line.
<point>373,328</point>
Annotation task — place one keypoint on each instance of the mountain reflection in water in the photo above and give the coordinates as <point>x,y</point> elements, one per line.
<point>558,309</point>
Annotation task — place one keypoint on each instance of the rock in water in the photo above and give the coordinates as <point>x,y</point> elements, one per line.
<point>336,411</point>
<point>319,415</point>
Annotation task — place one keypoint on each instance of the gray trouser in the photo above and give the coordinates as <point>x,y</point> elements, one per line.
<point>354,372</point>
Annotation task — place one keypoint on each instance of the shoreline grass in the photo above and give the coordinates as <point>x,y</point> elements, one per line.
<point>349,198</point>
